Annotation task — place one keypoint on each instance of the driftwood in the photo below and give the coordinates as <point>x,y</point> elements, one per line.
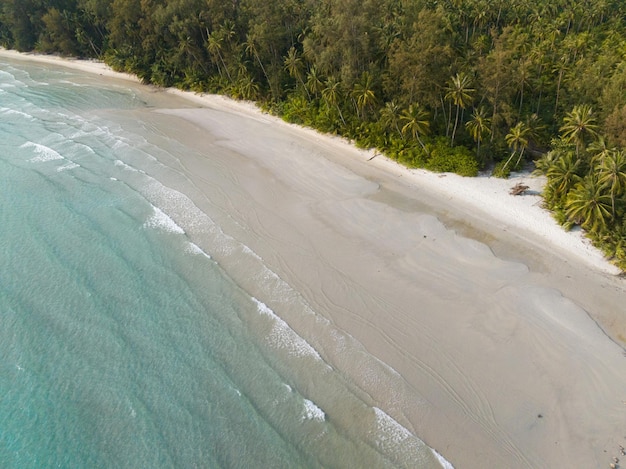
<point>518,189</point>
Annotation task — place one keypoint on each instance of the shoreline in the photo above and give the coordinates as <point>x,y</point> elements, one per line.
<point>523,212</point>
<point>472,418</point>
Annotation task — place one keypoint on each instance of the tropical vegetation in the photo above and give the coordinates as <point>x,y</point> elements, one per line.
<point>448,85</point>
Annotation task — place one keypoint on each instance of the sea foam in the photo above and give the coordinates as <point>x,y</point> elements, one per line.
<point>121,164</point>
<point>284,337</point>
<point>390,430</point>
<point>44,153</point>
<point>160,220</point>
<point>67,166</point>
<point>193,248</point>
<point>13,112</point>
<point>391,435</point>
<point>313,412</point>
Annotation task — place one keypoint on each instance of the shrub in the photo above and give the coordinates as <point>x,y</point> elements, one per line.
<point>444,158</point>
<point>294,110</point>
<point>412,157</point>
<point>501,171</point>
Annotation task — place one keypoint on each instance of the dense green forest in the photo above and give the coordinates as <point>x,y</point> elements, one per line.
<point>447,85</point>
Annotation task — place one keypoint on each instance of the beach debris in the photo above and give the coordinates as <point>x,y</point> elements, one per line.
<point>518,189</point>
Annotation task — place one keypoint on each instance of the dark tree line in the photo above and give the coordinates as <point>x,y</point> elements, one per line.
<point>449,85</point>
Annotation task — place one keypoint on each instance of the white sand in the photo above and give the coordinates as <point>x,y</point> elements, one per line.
<point>484,194</point>
<point>502,356</point>
<point>90,66</point>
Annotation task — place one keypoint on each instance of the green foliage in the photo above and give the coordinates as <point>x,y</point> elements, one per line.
<point>562,219</point>
<point>444,158</point>
<point>588,205</point>
<point>296,110</point>
<point>412,157</point>
<point>501,170</point>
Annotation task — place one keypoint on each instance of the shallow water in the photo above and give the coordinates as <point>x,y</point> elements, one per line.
<point>127,338</point>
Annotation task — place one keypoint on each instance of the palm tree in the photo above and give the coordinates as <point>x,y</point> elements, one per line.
<point>599,149</point>
<point>562,175</point>
<point>313,82</point>
<point>561,68</point>
<point>188,48</point>
<point>478,126</point>
<point>579,124</point>
<point>612,175</point>
<point>332,95</point>
<point>517,139</point>
<point>251,49</point>
<point>363,94</point>
<point>535,126</point>
<point>460,93</point>
<point>246,88</point>
<point>214,46</point>
<point>588,205</point>
<point>523,74</point>
<point>390,116</point>
<point>293,65</point>
<point>417,122</point>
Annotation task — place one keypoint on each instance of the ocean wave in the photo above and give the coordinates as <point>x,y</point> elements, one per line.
<point>284,337</point>
<point>392,436</point>
<point>118,145</point>
<point>127,167</point>
<point>85,147</point>
<point>67,166</point>
<point>193,248</point>
<point>12,112</point>
<point>44,153</point>
<point>160,220</point>
<point>444,463</point>
<point>313,412</point>
<point>390,431</point>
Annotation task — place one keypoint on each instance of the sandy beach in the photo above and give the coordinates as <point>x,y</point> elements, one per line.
<point>506,333</point>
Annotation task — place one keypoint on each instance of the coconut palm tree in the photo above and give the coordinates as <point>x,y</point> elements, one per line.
<point>588,205</point>
<point>294,66</point>
<point>245,87</point>
<point>612,175</point>
<point>478,126</point>
<point>332,95</point>
<point>578,125</point>
<point>460,93</point>
<point>363,94</point>
<point>390,117</point>
<point>517,139</point>
<point>562,175</point>
<point>214,46</point>
<point>599,149</point>
<point>314,83</point>
<point>562,64</point>
<point>251,49</point>
<point>416,122</point>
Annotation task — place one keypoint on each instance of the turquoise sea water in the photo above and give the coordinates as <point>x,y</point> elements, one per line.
<point>123,344</point>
